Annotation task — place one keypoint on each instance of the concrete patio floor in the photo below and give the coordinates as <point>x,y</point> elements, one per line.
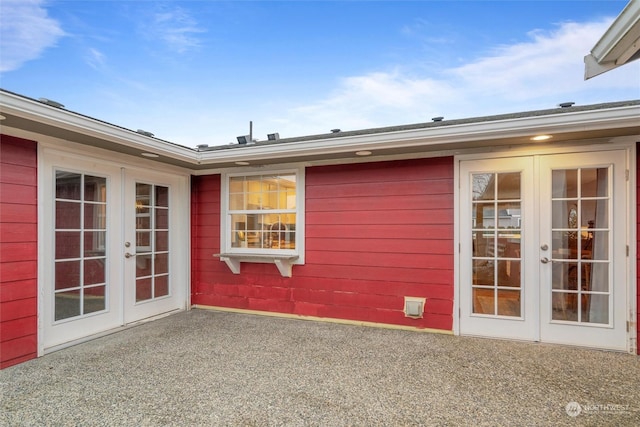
<point>208,368</point>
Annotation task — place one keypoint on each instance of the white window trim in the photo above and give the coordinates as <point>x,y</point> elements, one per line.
<point>283,259</point>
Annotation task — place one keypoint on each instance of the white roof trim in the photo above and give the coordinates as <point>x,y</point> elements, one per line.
<point>619,45</point>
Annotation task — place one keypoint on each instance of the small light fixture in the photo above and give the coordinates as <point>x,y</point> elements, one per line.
<point>541,138</point>
<point>363,153</point>
<point>150,155</point>
<point>243,139</point>
<point>273,136</point>
<point>240,163</point>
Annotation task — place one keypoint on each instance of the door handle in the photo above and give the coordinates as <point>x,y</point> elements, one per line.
<point>545,260</point>
<point>128,255</point>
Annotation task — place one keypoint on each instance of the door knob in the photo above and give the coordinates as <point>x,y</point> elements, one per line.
<point>544,247</point>
<point>545,260</point>
<point>128,255</point>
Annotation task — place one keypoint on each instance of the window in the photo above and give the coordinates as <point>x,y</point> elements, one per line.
<point>263,219</point>
<point>262,214</point>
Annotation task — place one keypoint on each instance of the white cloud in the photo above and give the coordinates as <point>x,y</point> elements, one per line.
<point>95,59</point>
<point>25,32</point>
<point>177,29</point>
<point>540,73</point>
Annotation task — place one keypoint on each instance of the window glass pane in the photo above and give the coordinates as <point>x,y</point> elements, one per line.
<point>509,273</point>
<point>595,308</point>
<point>67,274</point>
<point>236,202</point>
<point>509,215</point>
<point>236,185</point>
<point>68,215</point>
<point>564,276</point>
<point>161,286</point>
<point>143,194</point>
<point>67,304</point>
<point>67,244</point>
<point>143,289</point>
<point>596,246</point>
<point>143,265</point>
<point>162,240</point>
<point>509,185</point>
<point>94,299</point>
<point>143,218</point>
<point>95,216</point>
<point>162,196</point>
<point>565,306</point>
<point>564,214</point>
<point>483,245</point>
<point>484,215</point>
<point>564,183</point>
<point>483,272</point>
<point>94,271</point>
<point>94,243</point>
<point>68,185</point>
<point>95,189</point>
<point>161,264</point>
<point>595,214</point>
<point>483,186</point>
<point>162,218</point>
<point>594,182</point>
<point>483,301</point>
<point>509,303</point>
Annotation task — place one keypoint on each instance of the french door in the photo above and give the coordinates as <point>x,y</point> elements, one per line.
<point>543,248</point>
<point>114,251</point>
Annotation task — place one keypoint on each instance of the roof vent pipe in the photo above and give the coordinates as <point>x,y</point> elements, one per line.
<point>51,102</point>
<point>145,133</point>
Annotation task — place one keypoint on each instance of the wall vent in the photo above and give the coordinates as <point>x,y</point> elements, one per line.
<point>414,307</point>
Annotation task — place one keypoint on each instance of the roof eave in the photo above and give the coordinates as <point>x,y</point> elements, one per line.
<point>619,45</point>
<point>34,110</point>
<point>458,135</point>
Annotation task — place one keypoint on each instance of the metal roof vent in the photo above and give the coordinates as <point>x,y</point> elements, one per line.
<point>51,102</point>
<point>437,119</point>
<point>201,147</point>
<point>566,104</point>
<point>145,133</point>
<point>335,130</point>
<point>273,136</point>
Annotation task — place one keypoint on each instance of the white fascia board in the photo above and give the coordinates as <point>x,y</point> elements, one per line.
<point>618,44</point>
<point>58,117</point>
<point>509,128</point>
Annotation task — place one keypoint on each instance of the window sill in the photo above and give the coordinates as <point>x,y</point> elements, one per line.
<point>284,262</point>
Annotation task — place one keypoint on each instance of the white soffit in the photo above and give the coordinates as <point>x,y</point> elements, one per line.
<point>619,45</point>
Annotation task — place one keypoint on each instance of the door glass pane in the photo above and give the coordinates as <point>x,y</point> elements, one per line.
<point>152,241</point>
<point>580,245</point>
<point>496,241</point>
<point>80,237</point>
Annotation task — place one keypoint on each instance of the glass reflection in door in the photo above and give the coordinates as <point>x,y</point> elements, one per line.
<point>152,241</point>
<point>581,232</point>
<point>496,237</point>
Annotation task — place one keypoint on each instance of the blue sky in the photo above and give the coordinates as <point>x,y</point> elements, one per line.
<point>196,72</point>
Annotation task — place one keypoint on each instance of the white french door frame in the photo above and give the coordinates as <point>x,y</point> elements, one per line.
<point>628,145</point>
<point>55,154</point>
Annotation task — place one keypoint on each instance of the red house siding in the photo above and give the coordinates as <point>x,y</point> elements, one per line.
<point>18,250</point>
<point>375,233</point>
